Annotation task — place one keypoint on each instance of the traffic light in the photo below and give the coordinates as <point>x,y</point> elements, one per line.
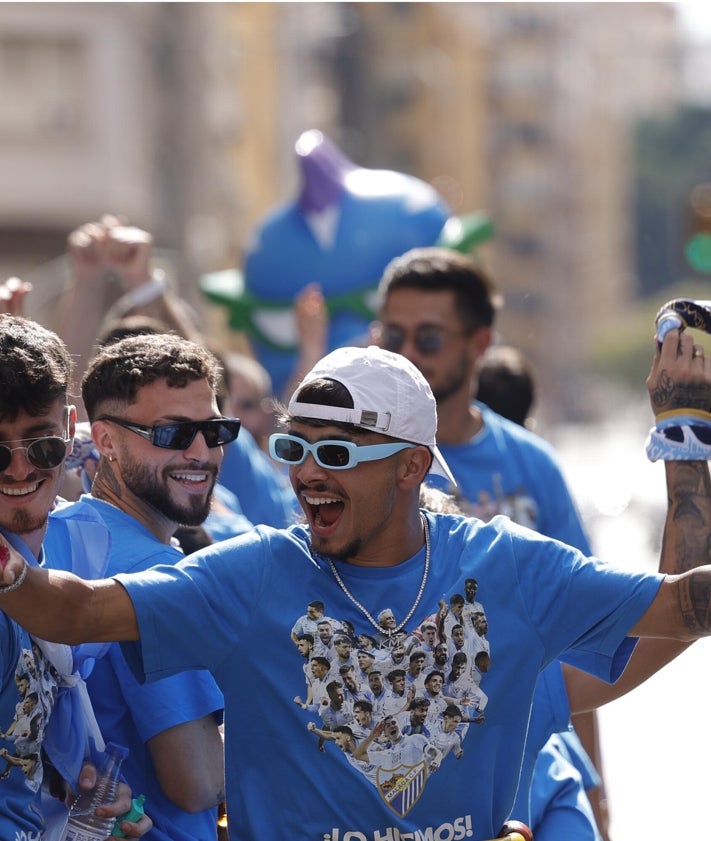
<point>697,242</point>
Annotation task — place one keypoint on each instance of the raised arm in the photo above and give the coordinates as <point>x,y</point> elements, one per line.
<point>59,607</point>
<point>679,382</point>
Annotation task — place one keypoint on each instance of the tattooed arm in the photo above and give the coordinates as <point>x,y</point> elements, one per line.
<point>680,378</point>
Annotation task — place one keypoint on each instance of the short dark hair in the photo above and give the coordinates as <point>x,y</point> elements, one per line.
<point>433,673</point>
<point>119,370</point>
<point>320,392</point>
<point>507,383</point>
<point>444,270</point>
<point>36,367</point>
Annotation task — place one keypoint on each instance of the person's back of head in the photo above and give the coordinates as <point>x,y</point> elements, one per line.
<point>507,383</point>
<point>119,370</point>
<point>444,270</point>
<point>36,367</point>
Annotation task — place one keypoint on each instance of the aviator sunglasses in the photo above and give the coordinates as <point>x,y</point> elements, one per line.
<point>181,434</point>
<point>333,455</point>
<point>428,340</point>
<point>42,453</point>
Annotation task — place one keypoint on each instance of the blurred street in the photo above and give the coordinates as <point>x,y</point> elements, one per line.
<point>655,740</point>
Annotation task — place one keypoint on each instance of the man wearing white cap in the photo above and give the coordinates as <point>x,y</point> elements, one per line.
<point>360,439</point>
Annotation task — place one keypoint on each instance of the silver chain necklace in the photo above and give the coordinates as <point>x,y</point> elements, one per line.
<point>366,612</point>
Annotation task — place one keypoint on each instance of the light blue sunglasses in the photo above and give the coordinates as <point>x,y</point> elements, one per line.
<point>333,455</point>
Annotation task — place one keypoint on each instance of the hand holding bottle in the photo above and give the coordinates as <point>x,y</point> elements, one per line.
<point>103,799</point>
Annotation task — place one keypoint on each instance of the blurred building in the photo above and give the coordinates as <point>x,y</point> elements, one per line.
<point>526,110</point>
<point>183,116</point>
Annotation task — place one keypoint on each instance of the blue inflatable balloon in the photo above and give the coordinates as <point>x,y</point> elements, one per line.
<point>342,230</point>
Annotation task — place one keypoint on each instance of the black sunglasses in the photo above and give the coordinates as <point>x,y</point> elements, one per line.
<point>180,435</point>
<point>42,453</point>
<point>427,340</point>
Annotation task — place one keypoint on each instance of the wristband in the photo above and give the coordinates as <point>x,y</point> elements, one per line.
<point>17,582</point>
<point>679,443</point>
<point>679,417</point>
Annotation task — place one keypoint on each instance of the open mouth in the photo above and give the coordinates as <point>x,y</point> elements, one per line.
<point>323,511</point>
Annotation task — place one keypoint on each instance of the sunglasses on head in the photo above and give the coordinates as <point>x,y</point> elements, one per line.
<point>427,340</point>
<point>42,453</point>
<point>181,434</point>
<point>333,455</point>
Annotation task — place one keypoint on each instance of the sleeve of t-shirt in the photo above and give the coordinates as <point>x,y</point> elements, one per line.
<point>157,706</point>
<point>587,607</point>
<point>191,615</point>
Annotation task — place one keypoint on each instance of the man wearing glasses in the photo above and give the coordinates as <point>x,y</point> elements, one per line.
<point>366,545</point>
<point>36,430</point>
<point>155,423</point>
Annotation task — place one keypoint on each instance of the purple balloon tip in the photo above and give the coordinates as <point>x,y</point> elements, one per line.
<point>323,171</point>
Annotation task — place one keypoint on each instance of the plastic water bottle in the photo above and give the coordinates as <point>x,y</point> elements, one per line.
<point>83,824</point>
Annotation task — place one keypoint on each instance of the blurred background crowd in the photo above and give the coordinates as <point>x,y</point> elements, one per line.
<point>581,129</point>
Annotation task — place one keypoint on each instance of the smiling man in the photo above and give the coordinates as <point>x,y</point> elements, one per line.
<point>36,430</point>
<point>155,422</point>
<point>359,441</point>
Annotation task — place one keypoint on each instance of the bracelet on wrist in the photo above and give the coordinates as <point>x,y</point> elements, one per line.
<point>683,416</point>
<point>8,588</point>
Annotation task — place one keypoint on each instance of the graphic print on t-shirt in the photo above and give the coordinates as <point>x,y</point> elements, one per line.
<point>518,505</point>
<point>36,680</point>
<point>397,704</point>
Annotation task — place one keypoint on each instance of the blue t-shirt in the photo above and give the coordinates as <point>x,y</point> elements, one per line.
<point>549,727</point>
<point>560,809</point>
<point>128,712</point>
<point>231,607</point>
<point>506,469</point>
<point>28,689</point>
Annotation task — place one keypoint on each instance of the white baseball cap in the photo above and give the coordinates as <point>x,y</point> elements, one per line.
<point>389,394</point>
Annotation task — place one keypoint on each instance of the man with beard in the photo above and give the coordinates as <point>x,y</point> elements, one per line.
<point>155,423</point>
<point>360,438</point>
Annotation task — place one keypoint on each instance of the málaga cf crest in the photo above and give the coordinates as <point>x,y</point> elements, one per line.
<point>401,787</point>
